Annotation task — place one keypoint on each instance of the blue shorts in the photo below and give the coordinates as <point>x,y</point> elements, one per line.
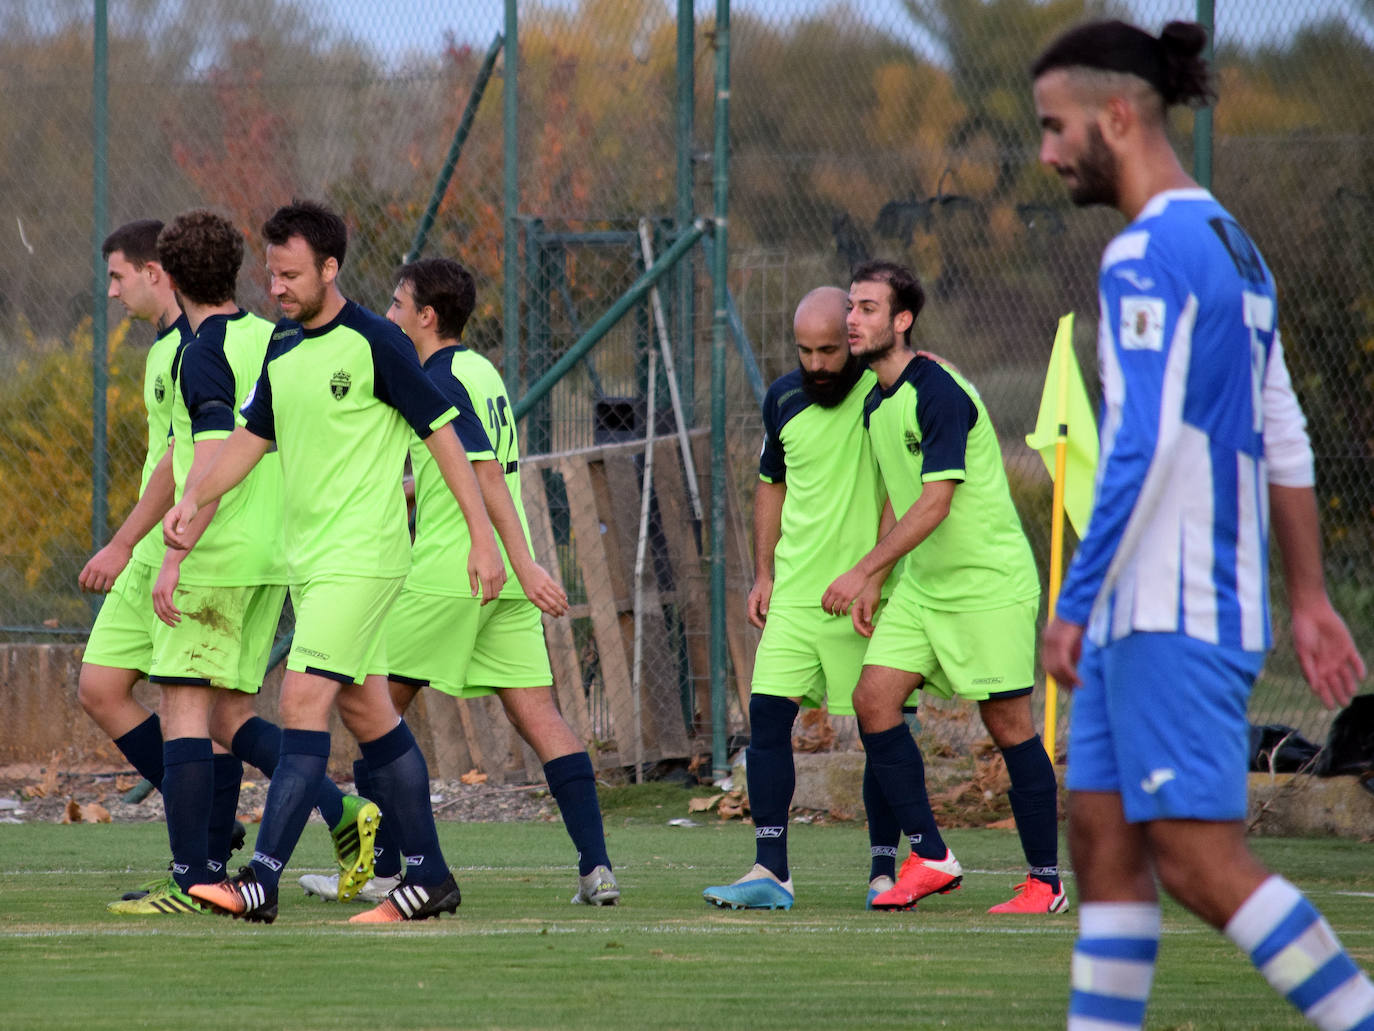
<point>1161,720</point>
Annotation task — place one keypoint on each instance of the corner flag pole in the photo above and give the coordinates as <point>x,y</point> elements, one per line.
<point>1061,458</point>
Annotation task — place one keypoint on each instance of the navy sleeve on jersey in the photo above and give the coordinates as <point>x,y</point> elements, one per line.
<point>399,381</point>
<point>472,434</point>
<point>773,458</point>
<point>207,386</point>
<point>945,414</point>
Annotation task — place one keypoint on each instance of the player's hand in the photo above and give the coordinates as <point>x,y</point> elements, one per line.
<point>486,570</point>
<point>167,579</point>
<point>759,597</point>
<point>176,524</point>
<point>1330,662</point>
<point>541,588</point>
<point>100,573</point>
<point>866,607</point>
<point>841,594</point>
<point>1061,646</point>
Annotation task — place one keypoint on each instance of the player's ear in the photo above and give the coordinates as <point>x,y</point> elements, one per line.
<point>1116,118</point>
<point>329,269</point>
<point>428,316</point>
<point>904,321</point>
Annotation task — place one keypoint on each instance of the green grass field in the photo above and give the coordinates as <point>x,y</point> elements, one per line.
<point>520,956</point>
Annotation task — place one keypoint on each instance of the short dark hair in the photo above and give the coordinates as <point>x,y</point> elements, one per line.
<point>445,286</point>
<point>907,292</point>
<point>1171,63</point>
<point>202,252</point>
<point>136,240</point>
<point>320,227</point>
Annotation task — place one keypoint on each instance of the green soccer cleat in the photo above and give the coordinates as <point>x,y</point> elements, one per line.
<point>165,899</point>
<point>354,837</point>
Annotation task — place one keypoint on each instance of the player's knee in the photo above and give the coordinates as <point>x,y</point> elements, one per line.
<point>770,721</point>
<point>98,694</point>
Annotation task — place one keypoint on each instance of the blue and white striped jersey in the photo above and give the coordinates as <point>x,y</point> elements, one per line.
<point>1198,418</point>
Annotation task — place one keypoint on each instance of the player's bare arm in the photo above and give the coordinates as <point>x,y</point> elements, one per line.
<point>486,570</point>
<point>235,459</point>
<point>866,604</point>
<point>1330,661</point>
<point>164,588</point>
<point>920,522</point>
<point>768,500</point>
<point>104,567</point>
<point>536,581</point>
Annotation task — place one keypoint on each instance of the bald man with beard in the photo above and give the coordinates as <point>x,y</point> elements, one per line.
<point>817,510</point>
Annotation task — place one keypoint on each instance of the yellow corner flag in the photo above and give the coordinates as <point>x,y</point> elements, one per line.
<point>1064,409</point>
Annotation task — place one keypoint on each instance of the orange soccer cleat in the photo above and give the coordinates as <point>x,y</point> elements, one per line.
<point>1034,896</point>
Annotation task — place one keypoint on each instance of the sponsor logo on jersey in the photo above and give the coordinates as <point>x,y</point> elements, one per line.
<point>159,389</point>
<point>913,442</point>
<point>282,334</point>
<point>1135,278</point>
<point>339,384</point>
<point>1157,779</point>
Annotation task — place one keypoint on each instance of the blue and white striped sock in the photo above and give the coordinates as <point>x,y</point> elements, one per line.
<point>1113,965</point>
<point>1293,946</point>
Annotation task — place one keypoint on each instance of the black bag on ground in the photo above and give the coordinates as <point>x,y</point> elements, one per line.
<point>1350,745</point>
<point>1275,748</point>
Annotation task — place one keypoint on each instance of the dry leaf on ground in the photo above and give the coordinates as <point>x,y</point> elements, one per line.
<point>473,776</point>
<point>701,805</point>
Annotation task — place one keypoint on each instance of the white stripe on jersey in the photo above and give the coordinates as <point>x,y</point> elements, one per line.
<point>1250,551</point>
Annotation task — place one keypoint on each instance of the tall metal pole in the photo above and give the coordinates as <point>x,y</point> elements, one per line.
<point>685,300</point>
<point>511,207</point>
<point>1202,118</point>
<point>720,328</point>
<point>100,218</point>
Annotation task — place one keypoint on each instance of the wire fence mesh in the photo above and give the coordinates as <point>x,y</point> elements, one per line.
<point>896,128</point>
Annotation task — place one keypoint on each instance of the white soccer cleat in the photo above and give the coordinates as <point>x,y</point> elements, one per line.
<point>327,887</point>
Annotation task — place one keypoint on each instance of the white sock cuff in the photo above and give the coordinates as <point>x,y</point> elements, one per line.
<point>1119,920</point>
<point>1258,915</point>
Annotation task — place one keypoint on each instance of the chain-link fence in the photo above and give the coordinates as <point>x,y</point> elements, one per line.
<point>898,128</point>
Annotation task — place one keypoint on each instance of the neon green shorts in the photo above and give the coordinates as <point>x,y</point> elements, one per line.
<point>223,640</point>
<point>465,648</point>
<point>122,636</point>
<point>970,655</point>
<point>806,653</point>
<point>339,626</point>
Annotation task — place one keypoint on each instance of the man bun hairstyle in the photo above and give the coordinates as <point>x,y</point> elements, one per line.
<point>1172,63</point>
<point>320,227</point>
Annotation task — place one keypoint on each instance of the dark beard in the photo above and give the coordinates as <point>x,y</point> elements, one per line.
<point>1096,173</point>
<point>832,388</point>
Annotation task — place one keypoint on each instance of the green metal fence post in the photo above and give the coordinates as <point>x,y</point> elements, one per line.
<point>455,148</point>
<point>719,329</point>
<point>510,345</point>
<point>100,217</point>
<point>1202,118</point>
<point>685,277</point>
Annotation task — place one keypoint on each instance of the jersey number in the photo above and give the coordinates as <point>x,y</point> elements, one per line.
<point>502,436</point>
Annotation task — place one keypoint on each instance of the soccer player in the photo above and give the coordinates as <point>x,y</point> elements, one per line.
<point>1163,621</point>
<point>436,634</point>
<point>817,510</point>
<point>961,619</point>
<point>337,390</point>
<point>217,608</point>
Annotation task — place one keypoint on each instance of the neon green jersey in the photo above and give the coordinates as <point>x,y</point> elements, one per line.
<point>157,401</point>
<point>213,375</point>
<point>486,429</point>
<point>932,425</point>
<point>834,493</point>
<point>340,401</point>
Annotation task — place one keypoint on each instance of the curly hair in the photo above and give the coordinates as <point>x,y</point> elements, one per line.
<point>202,252</point>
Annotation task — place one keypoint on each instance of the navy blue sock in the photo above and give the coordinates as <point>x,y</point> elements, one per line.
<point>386,856</point>
<point>224,809</point>
<point>772,777</point>
<point>290,797</point>
<point>258,743</point>
<point>883,833</point>
<point>142,746</point>
<point>188,785</point>
<point>400,780</point>
<point>897,766</point>
<point>572,782</point>
<point>1035,804</point>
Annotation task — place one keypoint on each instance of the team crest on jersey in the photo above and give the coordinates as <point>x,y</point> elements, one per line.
<point>913,442</point>
<point>339,384</point>
<point>159,389</point>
